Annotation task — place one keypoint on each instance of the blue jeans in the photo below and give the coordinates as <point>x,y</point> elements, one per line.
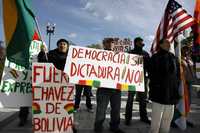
<point>87,91</point>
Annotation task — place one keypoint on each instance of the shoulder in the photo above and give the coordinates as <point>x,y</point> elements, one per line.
<point>41,53</point>
<point>155,55</point>
<point>52,52</point>
<point>171,54</point>
<point>145,53</point>
<point>131,51</point>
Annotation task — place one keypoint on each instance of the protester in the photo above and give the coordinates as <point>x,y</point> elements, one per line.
<point>87,93</point>
<point>57,57</point>
<point>142,96</point>
<point>104,96</point>
<point>164,83</point>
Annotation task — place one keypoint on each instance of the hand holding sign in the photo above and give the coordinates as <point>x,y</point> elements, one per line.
<point>44,47</point>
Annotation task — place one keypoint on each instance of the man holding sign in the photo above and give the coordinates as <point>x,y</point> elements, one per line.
<point>138,49</point>
<point>57,57</point>
<point>104,95</point>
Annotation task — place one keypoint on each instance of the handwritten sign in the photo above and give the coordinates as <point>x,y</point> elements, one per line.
<point>52,100</point>
<point>16,85</point>
<point>122,45</point>
<point>101,68</point>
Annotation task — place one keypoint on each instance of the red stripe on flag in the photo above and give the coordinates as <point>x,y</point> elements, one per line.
<point>179,14</point>
<point>183,28</point>
<point>181,21</point>
<point>36,36</point>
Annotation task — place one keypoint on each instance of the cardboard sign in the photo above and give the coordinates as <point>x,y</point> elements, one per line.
<point>122,45</point>
<point>52,100</point>
<point>101,68</point>
<point>16,86</point>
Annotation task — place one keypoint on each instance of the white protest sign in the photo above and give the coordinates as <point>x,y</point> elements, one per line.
<point>101,68</point>
<point>53,104</point>
<point>122,45</point>
<point>16,86</point>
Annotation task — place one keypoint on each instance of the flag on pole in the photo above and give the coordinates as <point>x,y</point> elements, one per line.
<point>174,21</point>
<point>20,30</point>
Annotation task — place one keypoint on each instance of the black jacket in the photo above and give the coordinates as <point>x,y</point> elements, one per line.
<point>164,78</point>
<point>55,57</point>
<point>146,58</point>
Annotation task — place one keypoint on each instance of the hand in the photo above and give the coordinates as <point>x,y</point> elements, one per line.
<point>43,47</point>
<point>67,77</point>
<point>116,52</point>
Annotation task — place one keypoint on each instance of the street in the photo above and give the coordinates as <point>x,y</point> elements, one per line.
<point>84,120</point>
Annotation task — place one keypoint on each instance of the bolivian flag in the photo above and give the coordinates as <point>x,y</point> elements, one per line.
<point>69,108</point>
<point>182,109</point>
<point>20,29</point>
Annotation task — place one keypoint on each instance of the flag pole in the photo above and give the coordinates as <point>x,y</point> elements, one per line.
<point>38,29</point>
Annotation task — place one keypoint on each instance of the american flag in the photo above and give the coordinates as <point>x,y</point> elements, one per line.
<point>174,21</point>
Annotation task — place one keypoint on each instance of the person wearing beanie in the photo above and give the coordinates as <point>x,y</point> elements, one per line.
<point>103,97</point>
<point>57,56</point>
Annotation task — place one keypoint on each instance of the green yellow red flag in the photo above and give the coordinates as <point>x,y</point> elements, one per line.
<point>20,30</point>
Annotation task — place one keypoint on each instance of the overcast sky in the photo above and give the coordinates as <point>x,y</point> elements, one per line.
<point>89,21</point>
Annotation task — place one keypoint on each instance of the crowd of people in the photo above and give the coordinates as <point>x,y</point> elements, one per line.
<point>163,72</point>
<point>161,76</point>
